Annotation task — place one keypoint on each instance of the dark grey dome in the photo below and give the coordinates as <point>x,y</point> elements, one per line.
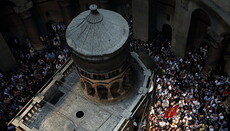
<point>97,32</point>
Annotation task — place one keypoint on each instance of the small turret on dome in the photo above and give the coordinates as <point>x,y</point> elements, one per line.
<point>94,16</point>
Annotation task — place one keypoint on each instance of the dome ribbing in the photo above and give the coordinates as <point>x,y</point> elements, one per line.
<point>97,32</point>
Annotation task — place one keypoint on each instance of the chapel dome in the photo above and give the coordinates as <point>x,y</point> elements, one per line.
<point>97,32</point>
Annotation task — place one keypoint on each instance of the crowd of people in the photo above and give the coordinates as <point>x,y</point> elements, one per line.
<point>179,81</point>
<point>197,100</point>
<point>34,69</point>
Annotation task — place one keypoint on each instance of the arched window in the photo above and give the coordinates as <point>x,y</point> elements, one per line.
<point>102,92</point>
<point>199,24</point>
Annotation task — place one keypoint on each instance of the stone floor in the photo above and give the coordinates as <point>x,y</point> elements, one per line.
<point>97,116</point>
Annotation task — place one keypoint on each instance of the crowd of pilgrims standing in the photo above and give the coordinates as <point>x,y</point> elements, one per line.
<point>180,83</point>
<point>34,69</point>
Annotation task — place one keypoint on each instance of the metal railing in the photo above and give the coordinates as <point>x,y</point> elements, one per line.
<point>69,62</point>
<point>149,78</point>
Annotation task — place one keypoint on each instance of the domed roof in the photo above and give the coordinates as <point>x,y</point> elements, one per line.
<point>97,32</point>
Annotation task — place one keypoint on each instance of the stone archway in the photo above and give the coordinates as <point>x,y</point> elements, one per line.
<point>105,88</point>
<point>102,92</point>
<point>200,21</point>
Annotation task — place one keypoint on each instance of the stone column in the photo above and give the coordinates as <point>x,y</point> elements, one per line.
<point>67,12</point>
<point>109,95</point>
<point>7,60</point>
<point>227,104</point>
<point>182,16</point>
<point>31,28</point>
<point>121,90</point>
<point>226,43</point>
<point>227,64</point>
<point>96,92</point>
<point>214,56</point>
<point>144,19</point>
<point>215,52</point>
